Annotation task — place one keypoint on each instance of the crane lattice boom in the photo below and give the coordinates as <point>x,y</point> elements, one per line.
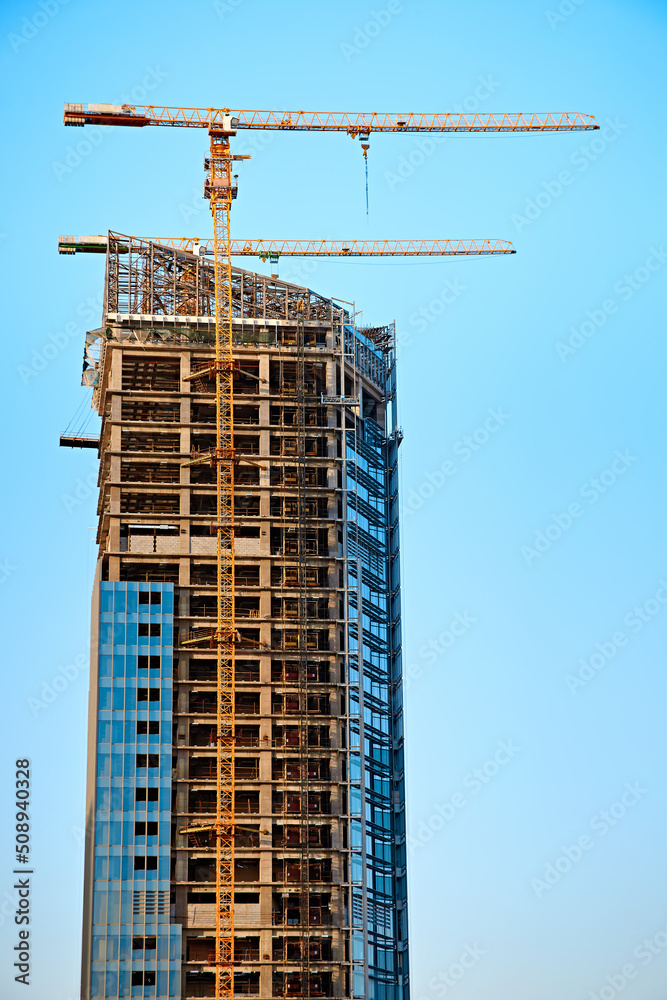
<point>307,248</point>
<point>354,123</point>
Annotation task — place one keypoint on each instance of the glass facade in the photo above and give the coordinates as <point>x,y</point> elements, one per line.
<point>377,800</point>
<point>136,951</point>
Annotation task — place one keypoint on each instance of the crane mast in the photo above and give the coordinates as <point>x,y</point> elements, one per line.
<point>220,189</point>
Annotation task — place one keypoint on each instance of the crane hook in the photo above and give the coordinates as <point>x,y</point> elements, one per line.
<point>365,146</point>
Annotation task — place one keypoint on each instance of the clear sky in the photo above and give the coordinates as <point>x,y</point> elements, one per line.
<point>533,405</point>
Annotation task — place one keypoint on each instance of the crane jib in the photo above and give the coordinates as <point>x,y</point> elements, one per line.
<point>354,124</point>
<point>264,249</point>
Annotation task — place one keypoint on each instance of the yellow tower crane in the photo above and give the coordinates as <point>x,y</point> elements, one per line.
<point>222,125</point>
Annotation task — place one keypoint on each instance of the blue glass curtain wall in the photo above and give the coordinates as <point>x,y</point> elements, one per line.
<point>136,951</point>
<point>377,799</point>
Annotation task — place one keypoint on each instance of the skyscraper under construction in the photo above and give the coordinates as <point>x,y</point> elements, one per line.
<point>320,857</point>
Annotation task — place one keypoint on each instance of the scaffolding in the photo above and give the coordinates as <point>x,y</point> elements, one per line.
<point>297,394</point>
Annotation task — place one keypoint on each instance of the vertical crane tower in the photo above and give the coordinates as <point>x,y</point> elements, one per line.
<point>222,125</point>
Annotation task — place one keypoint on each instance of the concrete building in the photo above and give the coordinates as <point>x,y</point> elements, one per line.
<point>320,855</point>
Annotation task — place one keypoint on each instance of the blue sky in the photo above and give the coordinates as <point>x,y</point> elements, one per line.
<point>533,406</point>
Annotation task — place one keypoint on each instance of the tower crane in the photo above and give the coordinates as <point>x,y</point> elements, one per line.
<point>220,187</point>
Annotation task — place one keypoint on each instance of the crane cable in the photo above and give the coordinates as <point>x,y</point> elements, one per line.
<point>365,147</point>
<point>80,420</point>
